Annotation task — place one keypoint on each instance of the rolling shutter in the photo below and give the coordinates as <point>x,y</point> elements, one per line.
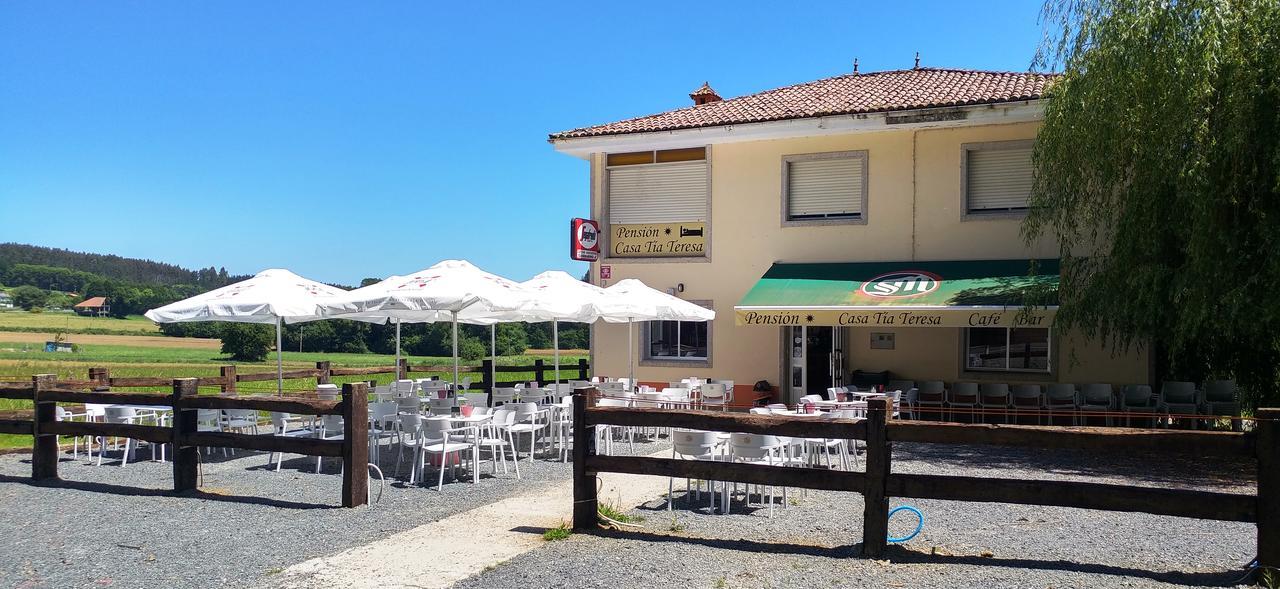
<point>825,187</point>
<point>998,179</point>
<point>658,193</point>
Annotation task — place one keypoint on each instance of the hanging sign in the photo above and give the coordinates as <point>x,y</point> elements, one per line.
<point>584,240</point>
<point>657,240</point>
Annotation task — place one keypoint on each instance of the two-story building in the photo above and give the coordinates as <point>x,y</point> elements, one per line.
<point>861,222</point>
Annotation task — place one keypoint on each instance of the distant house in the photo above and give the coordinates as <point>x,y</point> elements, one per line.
<point>6,301</point>
<point>93,306</point>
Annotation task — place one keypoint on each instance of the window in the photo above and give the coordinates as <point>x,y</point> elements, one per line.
<point>1005,349</point>
<point>996,177</point>
<point>824,187</point>
<point>677,340</point>
<point>668,186</point>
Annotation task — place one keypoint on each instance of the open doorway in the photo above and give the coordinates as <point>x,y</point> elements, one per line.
<point>817,360</point>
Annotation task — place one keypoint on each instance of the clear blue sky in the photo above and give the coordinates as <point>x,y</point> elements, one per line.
<point>367,139</point>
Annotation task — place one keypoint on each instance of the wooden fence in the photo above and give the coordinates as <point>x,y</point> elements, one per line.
<point>878,483</point>
<point>45,392</point>
<point>324,372</point>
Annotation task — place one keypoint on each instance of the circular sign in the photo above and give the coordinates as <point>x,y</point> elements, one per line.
<point>909,283</point>
<point>588,236</point>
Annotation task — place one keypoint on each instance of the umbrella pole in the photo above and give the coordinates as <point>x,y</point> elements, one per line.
<point>631,357</point>
<point>493,355</point>
<point>279,360</point>
<point>398,375</point>
<point>455,350</point>
<point>555,343</point>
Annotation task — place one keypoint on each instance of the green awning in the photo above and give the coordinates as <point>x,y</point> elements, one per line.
<point>971,293</point>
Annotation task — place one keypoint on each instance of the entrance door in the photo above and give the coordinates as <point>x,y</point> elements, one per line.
<point>817,360</point>
<point>825,359</point>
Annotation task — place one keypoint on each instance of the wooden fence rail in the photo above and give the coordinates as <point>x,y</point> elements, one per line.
<point>323,373</point>
<point>878,483</point>
<point>183,435</point>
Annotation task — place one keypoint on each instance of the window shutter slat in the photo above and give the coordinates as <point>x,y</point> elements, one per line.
<point>825,187</point>
<point>660,193</point>
<point>998,179</point>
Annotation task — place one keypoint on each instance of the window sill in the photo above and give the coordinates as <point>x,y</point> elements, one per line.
<point>676,362</point>
<point>1000,216</point>
<point>824,222</point>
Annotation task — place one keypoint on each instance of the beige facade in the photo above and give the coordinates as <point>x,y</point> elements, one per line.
<point>914,212</point>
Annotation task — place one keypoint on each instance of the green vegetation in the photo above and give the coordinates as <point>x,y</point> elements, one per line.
<point>72,323</point>
<point>246,342</point>
<point>559,532</point>
<point>29,297</point>
<point>1158,171</point>
<point>19,361</point>
<point>612,512</point>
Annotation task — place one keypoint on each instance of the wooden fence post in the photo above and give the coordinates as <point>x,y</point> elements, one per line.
<point>539,370</point>
<point>325,367</point>
<point>101,377</point>
<point>486,368</point>
<point>402,369</point>
<point>583,368</point>
<point>44,451</point>
<point>585,507</point>
<point>229,379</point>
<point>1268,449</point>
<point>875,514</point>
<point>355,444</point>
<point>186,459</point>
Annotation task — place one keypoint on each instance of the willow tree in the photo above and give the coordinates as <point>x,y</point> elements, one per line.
<point>1156,169</point>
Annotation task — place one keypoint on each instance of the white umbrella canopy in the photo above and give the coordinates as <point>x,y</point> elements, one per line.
<point>438,293</point>
<point>631,300</point>
<point>561,297</point>
<point>271,296</point>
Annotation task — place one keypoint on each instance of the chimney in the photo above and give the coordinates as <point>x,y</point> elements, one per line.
<point>704,95</point>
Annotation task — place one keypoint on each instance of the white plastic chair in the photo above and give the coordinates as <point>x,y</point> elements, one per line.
<point>530,419</point>
<point>439,438</point>
<point>122,415</point>
<point>693,445</point>
<point>503,395</point>
<point>1026,397</point>
<point>714,395</point>
<point>758,449</point>
<point>280,423</point>
<point>495,436</point>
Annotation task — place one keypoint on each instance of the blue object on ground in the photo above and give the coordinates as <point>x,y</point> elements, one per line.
<point>919,523</point>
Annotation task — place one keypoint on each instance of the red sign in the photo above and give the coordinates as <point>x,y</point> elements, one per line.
<point>584,240</point>
<point>606,272</point>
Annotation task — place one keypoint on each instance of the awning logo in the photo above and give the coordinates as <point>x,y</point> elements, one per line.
<point>901,284</point>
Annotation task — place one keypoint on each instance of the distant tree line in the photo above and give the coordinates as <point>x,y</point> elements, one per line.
<point>41,286</point>
<point>125,270</point>
<point>252,342</point>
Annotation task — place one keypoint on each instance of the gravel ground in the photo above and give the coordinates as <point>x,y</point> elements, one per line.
<point>114,526</point>
<point>118,527</point>
<point>813,542</point>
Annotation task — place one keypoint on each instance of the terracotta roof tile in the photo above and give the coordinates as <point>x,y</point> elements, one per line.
<point>846,94</point>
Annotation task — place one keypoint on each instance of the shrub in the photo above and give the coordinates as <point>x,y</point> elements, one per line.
<point>247,342</point>
<point>29,297</point>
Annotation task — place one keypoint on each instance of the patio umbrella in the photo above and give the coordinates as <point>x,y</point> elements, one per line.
<point>631,300</point>
<point>560,297</point>
<point>271,296</point>
<point>434,294</point>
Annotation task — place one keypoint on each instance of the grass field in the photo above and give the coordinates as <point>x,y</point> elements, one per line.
<point>71,323</point>
<point>19,361</point>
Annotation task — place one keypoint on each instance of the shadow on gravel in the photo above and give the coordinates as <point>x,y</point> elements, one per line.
<point>92,487</point>
<point>744,545</point>
<point>900,555</point>
<point>1171,470</point>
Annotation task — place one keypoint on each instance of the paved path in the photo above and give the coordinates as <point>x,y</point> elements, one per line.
<point>443,552</point>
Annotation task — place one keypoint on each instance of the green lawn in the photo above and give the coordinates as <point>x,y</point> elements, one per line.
<point>17,320</point>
